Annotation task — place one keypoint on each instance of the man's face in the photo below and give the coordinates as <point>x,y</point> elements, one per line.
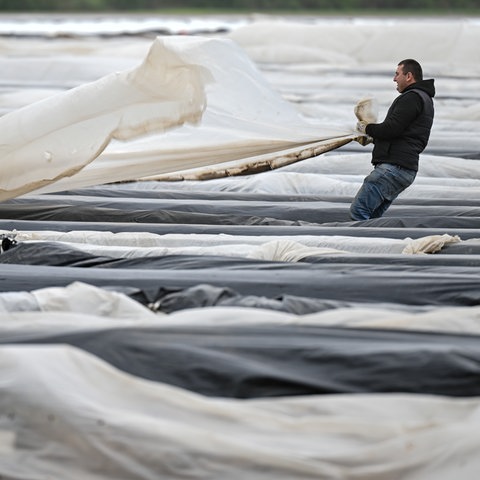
<point>403,80</point>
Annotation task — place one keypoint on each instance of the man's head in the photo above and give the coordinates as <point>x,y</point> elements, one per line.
<point>408,71</point>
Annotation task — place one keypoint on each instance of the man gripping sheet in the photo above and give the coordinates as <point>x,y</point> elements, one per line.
<point>398,141</point>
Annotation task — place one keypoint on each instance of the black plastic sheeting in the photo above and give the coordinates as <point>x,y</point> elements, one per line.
<point>59,254</point>
<point>178,210</point>
<point>411,285</point>
<point>351,229</point>
<point>260,360</point>
<point>268,361</point>
<point>105,214</point>
<point>169,300</point>
<point>164,190</point>
<point>448,278</point>
<point>447,223</point>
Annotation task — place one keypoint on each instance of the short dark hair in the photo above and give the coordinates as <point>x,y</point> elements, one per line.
<point>412,66</point>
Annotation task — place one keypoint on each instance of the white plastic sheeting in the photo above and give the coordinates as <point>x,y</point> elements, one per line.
<point>56,24</point>
<point>341,175</point>
<point>245,121</point>
<point>443,44</point>
<point>80,305</point>
<point>286,249</point>
<point>62,134</point>
<point>67,413</point>
<point>58,136</point>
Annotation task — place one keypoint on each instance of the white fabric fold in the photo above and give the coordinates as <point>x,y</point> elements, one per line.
<point>85,136</point>
<point>58,136</point>
<point>430,244</point>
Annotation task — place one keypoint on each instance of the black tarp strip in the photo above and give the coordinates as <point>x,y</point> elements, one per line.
<point>279,360</point>
<point>349,229</point>
<point>362,283</point>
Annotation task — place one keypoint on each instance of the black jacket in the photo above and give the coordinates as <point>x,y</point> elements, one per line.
<point>404,133</point>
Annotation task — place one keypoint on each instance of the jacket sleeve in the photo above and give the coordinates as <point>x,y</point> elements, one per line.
<point>404,111</point>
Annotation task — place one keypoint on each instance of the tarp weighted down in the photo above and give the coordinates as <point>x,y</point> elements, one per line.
<point>280,360</point>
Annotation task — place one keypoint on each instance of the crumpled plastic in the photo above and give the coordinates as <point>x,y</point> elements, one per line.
<point>366,110</point>
<point>289,251</point>
<point>430,244</point>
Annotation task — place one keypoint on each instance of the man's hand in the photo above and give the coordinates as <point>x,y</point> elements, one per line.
<point>366,112</point>
<point>364,140</point>
<point>361,126</point>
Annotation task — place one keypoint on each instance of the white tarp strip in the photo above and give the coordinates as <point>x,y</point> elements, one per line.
<point>285,248</point>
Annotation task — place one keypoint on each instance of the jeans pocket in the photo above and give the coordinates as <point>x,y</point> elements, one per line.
<point>394,180</point>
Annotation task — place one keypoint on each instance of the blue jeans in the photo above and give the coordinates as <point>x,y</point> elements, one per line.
<point>380,188</point>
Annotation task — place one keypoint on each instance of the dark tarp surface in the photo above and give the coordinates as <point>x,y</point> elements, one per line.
<point>411,285</point>
<point>210,211</point>
<point>353,229</point>
<point>59,254</point>
<point>267,361</point>
<point>164,190</point>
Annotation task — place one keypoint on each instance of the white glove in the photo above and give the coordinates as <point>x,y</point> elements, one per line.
<point>361,126</point>
<point>367,110</point>
<point>364,140</point>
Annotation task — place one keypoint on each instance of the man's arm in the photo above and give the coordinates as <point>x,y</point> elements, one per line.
<point>405,110</point>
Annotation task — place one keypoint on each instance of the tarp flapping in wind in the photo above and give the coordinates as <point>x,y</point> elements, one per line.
<point>179,79</point>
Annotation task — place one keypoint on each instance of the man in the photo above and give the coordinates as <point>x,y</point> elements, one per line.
<point>398,142</point>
